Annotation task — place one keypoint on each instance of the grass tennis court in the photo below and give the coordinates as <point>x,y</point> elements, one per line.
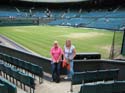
<point>40,38</point>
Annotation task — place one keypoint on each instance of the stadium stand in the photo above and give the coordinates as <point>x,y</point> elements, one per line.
<point>94,76</point>
<point>95,14</point>
<point>12,68</point>
<point>117,14</point>
<point>75,22</point>
<point>16,75</point>
<point>58,22</point>
<point>112,19</point>
<point>108,23</point>
<point>3,89</point>
<point>6,86</point>
<point>27,66</point>
<point>102,19</point>
<point>105,87</point>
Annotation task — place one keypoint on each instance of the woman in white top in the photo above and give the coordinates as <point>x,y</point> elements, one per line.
<point>69,54</point>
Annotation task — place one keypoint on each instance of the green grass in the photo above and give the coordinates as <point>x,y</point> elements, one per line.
<point>40,38</point>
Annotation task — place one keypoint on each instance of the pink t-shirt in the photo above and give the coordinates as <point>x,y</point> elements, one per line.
<point>56,52</point>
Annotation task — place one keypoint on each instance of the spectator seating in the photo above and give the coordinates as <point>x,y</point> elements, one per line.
<point>58,22</point>
<point>6,86</point>
<point>107,23</point>
<point>27,66</point>
<point>36,12</point>
<point>57,13</point>
<point>112,20</point>
<point>3,88</point>
<point>79,22</point>
<point>16,75</point>
<point>102,18</point>
<point>95,13</point>
<point>7,13</point>
<point>101,23</point>
<point>94,76</point>
<point>75,22</point>
<point>70,14</point>
<point>117,14</point>
<point>119,86</point>
<point>39,14</point>
<point>105,87</point>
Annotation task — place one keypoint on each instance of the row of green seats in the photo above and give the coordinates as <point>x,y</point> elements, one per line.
<point>94,76</point>
<point>32,68</point>
<point>106,87</point>
<point>3,88</point>
<point>17,75</point>
<point>6,86</point>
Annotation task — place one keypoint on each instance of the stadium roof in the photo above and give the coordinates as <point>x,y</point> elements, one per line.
<point>55,1</point>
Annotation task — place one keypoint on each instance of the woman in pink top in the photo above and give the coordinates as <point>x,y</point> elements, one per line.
<point>56,55</point>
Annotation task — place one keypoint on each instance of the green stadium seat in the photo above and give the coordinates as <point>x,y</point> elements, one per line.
<point>5,57</point>
<point>3,69</point>
<point>3,88</point>
<point>1,66</point>
<point>105,87</point>
<point>11,74</point>
<point>28,66</point>
<point>119,86</point>
<point>21,64</point>
<point>1,56</point>
<point>106,75</point>
<point>15,61</point>
<point>91,76</point>
<point>23,79</point>
<point>102,75</point>
<point>88,88</point>
<point>9,86</point>
<point>10,60</point>
<point>7,70</point>
<point>36,70</point>
<point>114,73</point>
<point>15,75</point>
<point>27,80</point>
<point>78,78</point>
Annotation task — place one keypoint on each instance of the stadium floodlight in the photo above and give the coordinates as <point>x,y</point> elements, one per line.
<point>54,1</point>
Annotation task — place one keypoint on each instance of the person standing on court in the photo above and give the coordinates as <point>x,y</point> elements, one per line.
<point>69,54</point>
<point>56,56</point>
